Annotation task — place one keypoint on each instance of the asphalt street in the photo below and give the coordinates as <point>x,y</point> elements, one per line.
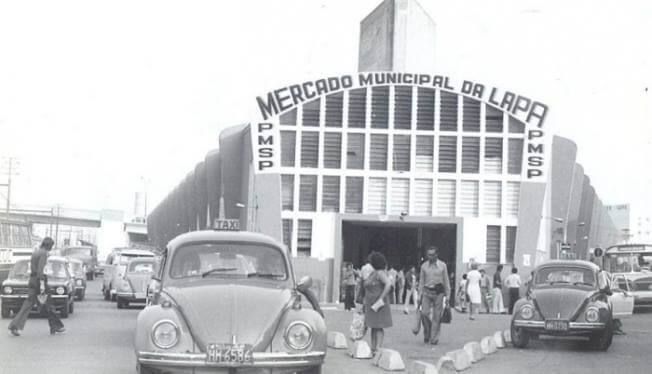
<point>100,340</point>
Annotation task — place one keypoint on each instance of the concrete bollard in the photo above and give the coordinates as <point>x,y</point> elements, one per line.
<point>446,365</point>
<point>507,335</point>
<point>499,340</point>
<point>336,340</point>
<point>487,345</point>
<point>388,360</point>
<point>360,349</point>
<point>420,367</point>
<point>474,351</point>
<point>461,359</point>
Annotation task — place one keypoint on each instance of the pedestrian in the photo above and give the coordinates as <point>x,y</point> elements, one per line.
<point>349,287</point>
<point>434,286</point>
<point>400,283</point>
<point>513,284</point>
<point>497,305</point>
<point>473,290</point>
<point>461,294</point>
<point>392,273</point>
<point>38,284</point>
<point>411,290</point>
<point>485,289</point>
<point>378,315</point>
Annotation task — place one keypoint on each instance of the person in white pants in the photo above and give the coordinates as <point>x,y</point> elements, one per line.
<point>497,305</point>
<point>411,290</point>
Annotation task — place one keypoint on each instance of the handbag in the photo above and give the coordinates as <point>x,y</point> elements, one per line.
<point>358,328</point>
<point>416,327</point>
<point>446,315</point>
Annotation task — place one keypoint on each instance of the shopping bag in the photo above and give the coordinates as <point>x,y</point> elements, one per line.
<point>358,327</point>
<point>42,298</point>
<point>446,315</point>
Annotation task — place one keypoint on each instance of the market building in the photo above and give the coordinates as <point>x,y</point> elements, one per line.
<point>395,159</point>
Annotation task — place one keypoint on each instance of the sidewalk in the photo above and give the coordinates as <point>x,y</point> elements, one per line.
<point>399,337</point>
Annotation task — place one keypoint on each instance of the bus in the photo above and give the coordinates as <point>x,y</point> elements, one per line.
<point>15,243</point>
<point>631,267</point>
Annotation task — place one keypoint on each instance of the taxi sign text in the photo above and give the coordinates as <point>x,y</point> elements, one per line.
<point>226,225</point>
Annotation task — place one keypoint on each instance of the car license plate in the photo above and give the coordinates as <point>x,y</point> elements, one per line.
<point>556,325</point>
<point>237,354</point>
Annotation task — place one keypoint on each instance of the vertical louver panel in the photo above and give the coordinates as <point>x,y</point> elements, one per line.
<point>380,107</point>
<point>353,202</point>
<point>334,107</point>
<point>378,152</point>
<point>426,109</point>
<point>377,196</point>
<point>401,154</point>
<point>357,107</point>
<point>493,119</point>
<point>446,198</point>
<point>510,244</point>
<point>289,118</point>
<point>287,192</point>
<point>423,197</point>
<point>309,149</point>
<point>333,150</point>
<point>288,147</point>
<point>400,196</point>
<point>447,154</point>
<point>492,199</point>
<point>355,151</point>
<point>469,196</point>
<point>493,244</point>
<point>330,194</point>
<point>447,111</point>
<point>514,156</point>
<point>512,196</point>
<point>308,193</point>
<point>470,155</point>
<point>287,233</point>
<point>304,238</point>
<point>403,107</point>
<point>516,126</point>
<point>471,115</point>
<point>424,153</point>
<point>311,113</point>
<point>493,155</point>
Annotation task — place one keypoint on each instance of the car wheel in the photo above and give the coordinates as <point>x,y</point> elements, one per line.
<point>602,340</point>
<point>312,370</point>
<point>6,313</point>
<point>520,337</point>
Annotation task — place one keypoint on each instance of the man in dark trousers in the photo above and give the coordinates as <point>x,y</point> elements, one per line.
<point>434,286</point>
<point>38,285</point>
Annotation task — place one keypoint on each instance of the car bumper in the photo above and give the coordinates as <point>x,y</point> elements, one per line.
<point>540,326</point>
<point>260,360</point>
<point>16,301</point>
<point>131,297</point>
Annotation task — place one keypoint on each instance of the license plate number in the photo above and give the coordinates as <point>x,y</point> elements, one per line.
<point>241,354</point>
<point>557,325</point>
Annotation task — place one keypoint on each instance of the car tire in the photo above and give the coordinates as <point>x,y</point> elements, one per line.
<point>520,337</point>
<point>312,370</point>
<point>602,340</point>
<point>6,313</point>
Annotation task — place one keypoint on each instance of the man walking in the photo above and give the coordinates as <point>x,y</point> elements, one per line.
<point>513,283</point>
<point>433,288</point>
<point>497,305</point>
<point>38,284</point>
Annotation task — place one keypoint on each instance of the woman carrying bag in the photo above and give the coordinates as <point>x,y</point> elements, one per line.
<point>378,315</point>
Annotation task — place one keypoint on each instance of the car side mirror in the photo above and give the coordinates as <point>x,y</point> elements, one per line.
<point>304,283</point>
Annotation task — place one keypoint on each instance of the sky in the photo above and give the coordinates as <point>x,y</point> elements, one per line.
<point>100,99</point>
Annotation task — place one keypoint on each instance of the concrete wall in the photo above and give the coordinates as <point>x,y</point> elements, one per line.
<point>574,223</point>
<point>561,183</point>
<point>231,156</point>
<point>376,41</point>
<point>531,204</point>
<point>213,183</point>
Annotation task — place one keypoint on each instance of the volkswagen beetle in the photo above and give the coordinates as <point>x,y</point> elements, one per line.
<point>132,287</point>
<point>565,298</point>
<point>226,302</point>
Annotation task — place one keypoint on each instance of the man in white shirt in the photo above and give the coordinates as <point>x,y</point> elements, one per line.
<point>513,284</point>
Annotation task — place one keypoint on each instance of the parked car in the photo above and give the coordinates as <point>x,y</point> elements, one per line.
<point>60,286</point>
<point>566,298</point>
<point>229,301</point>
<point>132,288</point>
<point>116,265</point>
<point>76,269</point>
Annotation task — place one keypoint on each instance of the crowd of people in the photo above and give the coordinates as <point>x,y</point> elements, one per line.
<point>372,288</point>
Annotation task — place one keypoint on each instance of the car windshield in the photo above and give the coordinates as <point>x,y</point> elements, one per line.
<point>55,269</point>
<point>629,262</point>
<point>21,269</point>
<point>76,268</point>
<point>78,251</point>
<point>141,267</point>
<point>564,275</point>
<point>124,258</point>
<point>228,260</point>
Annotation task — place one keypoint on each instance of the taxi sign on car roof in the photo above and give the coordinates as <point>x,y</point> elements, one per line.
<point>226,225</point>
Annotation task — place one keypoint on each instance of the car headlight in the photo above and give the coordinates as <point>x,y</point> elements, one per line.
<point>298,335</point>
<point>8,290</point>
<point>165,334</point>
<point>527,312</point>
<point>592,314</point>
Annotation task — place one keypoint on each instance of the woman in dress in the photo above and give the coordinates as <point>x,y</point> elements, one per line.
<point>473,290</point>
<point>378,315</point>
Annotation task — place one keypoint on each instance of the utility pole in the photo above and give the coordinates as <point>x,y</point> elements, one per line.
<point>9,167</point>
